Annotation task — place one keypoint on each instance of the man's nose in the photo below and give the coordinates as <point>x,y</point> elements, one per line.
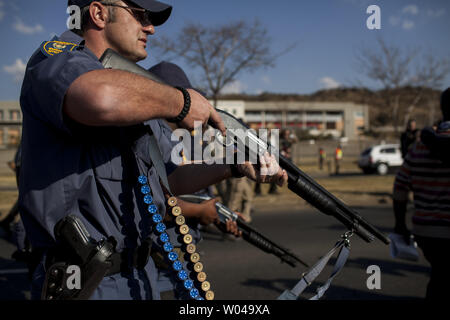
<point>150,29</point>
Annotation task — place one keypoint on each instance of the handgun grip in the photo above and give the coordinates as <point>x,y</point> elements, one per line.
<point>71,231</point>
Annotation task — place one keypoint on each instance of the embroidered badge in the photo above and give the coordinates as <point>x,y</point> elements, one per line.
<point>51,48</point>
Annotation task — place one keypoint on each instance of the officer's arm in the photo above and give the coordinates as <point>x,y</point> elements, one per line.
<point>181,180</point>
<point>205,212</point>
<point>119,98</point>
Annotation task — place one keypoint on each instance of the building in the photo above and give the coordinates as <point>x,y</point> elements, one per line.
<point>10,123</point>
<point>339,119</point>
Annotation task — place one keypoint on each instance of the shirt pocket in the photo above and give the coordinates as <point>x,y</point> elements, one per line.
<point>107,162</point>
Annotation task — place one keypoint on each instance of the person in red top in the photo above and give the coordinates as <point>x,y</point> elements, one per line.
<point>322,158</point>
<point>426,172</point>
<point>338,154</point>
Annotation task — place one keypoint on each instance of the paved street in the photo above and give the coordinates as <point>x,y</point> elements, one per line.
<point>239,271</point>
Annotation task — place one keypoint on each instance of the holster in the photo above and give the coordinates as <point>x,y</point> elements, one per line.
<point>95,260</point>
<point>76,248</point>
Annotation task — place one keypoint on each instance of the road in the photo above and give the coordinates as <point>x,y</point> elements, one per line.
<point>239,271</point>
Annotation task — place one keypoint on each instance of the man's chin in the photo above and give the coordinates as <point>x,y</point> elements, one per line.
<point>136,57</point>
<point>141,56</point>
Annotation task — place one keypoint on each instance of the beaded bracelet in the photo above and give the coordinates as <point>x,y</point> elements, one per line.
<point>186,107</point>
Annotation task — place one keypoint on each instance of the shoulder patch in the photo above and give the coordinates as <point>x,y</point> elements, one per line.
<point>52,48</point>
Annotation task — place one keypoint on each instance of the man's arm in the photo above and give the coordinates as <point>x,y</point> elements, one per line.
<point>400,197</point>
<point>120,98</point>
<point>192,178</point>
<point>206,213</point>
<point>189,179</point>
<point>400,217</point>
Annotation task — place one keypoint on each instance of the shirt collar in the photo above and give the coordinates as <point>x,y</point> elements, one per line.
<point>72,37</point>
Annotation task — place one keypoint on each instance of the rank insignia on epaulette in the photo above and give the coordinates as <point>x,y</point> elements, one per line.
<point>51,48</point>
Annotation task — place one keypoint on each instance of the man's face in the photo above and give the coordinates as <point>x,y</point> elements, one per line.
<point>126,35</point>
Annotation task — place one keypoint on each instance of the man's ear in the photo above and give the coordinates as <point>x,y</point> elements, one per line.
<point>99,14</point>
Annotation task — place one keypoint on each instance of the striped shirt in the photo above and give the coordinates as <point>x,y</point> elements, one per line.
<point>429,180</point>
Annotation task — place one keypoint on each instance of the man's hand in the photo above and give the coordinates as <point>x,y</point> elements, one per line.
<point>202,111</point>
<point>209,215</point>
<point>208,212</point>
<point>403,230</point>
<point>230,227</point>
<point>269,171</point>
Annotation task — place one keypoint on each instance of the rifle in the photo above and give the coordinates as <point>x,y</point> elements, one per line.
<point>248,233</point>
<point>299,182</point>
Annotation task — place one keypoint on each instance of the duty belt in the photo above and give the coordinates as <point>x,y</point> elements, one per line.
<point>123,261</point>
<point>128,259</point>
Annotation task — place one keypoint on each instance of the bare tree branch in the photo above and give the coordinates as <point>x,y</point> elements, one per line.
<point>221,52</point>
<point>395,68</point>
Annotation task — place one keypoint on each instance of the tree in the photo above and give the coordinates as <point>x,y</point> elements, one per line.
<point>221,52</point>
<point>395,68</point>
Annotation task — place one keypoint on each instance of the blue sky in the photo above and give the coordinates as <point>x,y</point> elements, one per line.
<point>328,33</point>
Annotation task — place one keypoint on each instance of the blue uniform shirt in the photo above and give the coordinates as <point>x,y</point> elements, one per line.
<point>68,168</point>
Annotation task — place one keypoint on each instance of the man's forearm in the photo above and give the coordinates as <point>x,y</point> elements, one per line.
<point>192,178</point>
<point>190,210</point>
<point>400,215</point>
<point>120,98</point>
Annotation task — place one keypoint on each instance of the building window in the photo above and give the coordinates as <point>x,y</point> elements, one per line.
<point>1,115</point>
<point>14,115</point>
<point>273,116</point>
<point>359,114</point>
<point>331,125</point>
<point>294,116</point>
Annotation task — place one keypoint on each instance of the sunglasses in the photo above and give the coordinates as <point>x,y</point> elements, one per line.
<point>140,14</point>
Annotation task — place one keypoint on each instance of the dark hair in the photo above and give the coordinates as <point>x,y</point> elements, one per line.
<point>410,121</point>
<point>445,104</point>
<point>85,15</point>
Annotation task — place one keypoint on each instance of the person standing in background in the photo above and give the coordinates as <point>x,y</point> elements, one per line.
<point>322,158</point>
<point>338,155</point>
<point>408,137</point>
<point>426,172</point>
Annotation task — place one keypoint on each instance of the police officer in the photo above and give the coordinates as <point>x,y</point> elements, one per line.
<point>84,142</point>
